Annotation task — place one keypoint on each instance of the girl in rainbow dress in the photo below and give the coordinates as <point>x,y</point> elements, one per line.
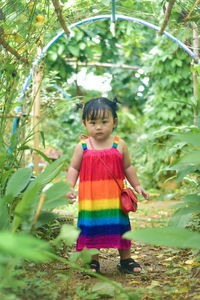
<point>101,220</point>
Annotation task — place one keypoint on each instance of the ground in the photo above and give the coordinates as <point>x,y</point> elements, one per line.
<point>167,273</point>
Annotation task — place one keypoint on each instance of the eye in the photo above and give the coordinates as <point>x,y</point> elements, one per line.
<point>104,122</point>
<point>92,122</point>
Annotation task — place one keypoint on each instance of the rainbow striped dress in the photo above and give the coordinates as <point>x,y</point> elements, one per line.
<point>101,220</point>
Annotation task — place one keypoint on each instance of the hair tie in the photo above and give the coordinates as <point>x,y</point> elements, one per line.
<point>115,100</point>
<point>79,106</point>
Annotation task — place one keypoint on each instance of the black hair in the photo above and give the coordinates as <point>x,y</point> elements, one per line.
<point>93,107</point>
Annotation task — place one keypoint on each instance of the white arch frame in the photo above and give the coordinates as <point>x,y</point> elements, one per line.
<point>88,20</point>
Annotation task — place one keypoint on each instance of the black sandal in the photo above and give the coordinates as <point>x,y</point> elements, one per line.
<point>128,265</point>
<point>94,265</point>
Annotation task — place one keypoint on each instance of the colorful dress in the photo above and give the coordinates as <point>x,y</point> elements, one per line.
<point>101,220</point>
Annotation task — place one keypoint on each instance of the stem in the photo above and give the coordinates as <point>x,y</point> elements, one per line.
<point>194,73</point>
<point>167,16</point>
<point>9,48</point>
<point>61,19</point>
<point>41,202</point>
<point>188,16</point>
<point>196,17</point>
<point>77,267</point>
<point>101,65</point>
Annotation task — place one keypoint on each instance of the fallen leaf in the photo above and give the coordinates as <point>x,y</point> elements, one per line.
<point>134,281</point>
<point>183,289</point>
<point>189,262</point>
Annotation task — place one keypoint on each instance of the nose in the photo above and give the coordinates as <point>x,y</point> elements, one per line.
<point>98,126</point>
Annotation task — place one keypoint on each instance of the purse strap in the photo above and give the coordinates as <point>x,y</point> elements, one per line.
<point>105,165</point>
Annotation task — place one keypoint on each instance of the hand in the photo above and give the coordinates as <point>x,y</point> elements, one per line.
<point>142,192</point>
<point>71,196</point>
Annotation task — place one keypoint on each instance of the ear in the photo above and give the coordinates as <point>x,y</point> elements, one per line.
<point>115,122</point>
<point>84,123</point>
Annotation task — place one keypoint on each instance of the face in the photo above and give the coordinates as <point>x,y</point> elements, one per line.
<point>102,127</point>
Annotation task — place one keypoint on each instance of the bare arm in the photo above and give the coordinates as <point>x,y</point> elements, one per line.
<point>130,173</point>
<point>74,168</point>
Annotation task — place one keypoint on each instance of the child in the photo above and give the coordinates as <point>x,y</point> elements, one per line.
<point>101,219</point>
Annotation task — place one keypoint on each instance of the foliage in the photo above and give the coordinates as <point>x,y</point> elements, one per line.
<point>166,236</point>
<point>24,26</point>
<point>169,106</point>
<point>187,166</point>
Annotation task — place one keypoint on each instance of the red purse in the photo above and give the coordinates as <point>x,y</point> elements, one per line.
<point>128,200</point>
<point>127,197</point>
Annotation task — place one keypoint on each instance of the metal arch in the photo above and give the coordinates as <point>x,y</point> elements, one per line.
<point>85,21</point>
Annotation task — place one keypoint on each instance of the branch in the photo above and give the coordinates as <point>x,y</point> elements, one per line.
<point>188,16</point>
<point>9,48</point>
<point>103,65</point>
<point>196,17</point>
<point>61,19</point>
<point>167,16</point>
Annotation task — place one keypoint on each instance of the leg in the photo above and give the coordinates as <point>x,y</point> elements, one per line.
<point>94,264</point>
<point>127,264</point>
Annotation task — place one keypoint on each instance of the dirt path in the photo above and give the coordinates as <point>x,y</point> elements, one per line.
<point>166,273</point>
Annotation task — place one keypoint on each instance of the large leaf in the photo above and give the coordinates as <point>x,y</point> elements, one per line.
<point>86,255</point>
<point>49,173</point>
<point>192,198</point>
<point>3,215</point>
<point>68,234</point>
<point>56,195</point>
<point>166,236</point>
<point>24,209</point>
<point>185,170</point>
<point>191,157</point>
<point>183,215</point>
<point>45,217</point>
<point>24,246</point>
<point>189,138</point>
<point>104,289</point>
<point>18,181</point>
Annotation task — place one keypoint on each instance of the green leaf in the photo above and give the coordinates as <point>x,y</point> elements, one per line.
<point>74,50</point>
<point>166,236</point>
<point>18,181</point>
<point>24,246</point>
<point>46,158</point>
<point>198,121</point>
<point>86,255</point>
<point>183,171</point>
<point>4,219</point>
<point>43,138</point>
<point>50,172</point>
<point>183,215</point>
<point>189,138</point>
<point>68,234</point>
<point>192,199</point>
<point>104,289</point>
<point>45,217</point>
<point>56,195</point>
<point>24,209</point>
<point>192,157</point>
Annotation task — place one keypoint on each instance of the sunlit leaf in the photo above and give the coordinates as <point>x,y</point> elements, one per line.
<point>24,246</point>
<point>3,215</point>
<point>68,234</point>
<point>190,138</point>
<point>104,289</point>
<point>18,181</point>
<point>56,195</point>
<point>166,236</point>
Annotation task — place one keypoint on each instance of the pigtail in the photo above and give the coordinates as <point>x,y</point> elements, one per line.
<point>115,102</point>
<point>79,106</point>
